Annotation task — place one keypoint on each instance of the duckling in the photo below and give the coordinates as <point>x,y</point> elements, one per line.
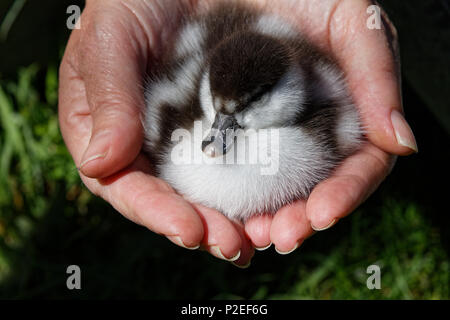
<point>245,115</point>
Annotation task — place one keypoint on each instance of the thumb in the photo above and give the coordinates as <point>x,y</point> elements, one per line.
<point>371,60</point>
<point>115,141</point>
<point>112,65</point>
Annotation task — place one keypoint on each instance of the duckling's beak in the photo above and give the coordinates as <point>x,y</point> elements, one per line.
<point>221,136</point>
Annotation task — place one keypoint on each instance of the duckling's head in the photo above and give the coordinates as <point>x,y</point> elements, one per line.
<point>254,83</point>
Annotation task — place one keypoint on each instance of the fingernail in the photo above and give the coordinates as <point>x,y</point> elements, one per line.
<point>287,252</point>
<point>263,248</point>
<point>403,132</point>
<point>177,240</point>
<point>98,148</point>
<point>324,228</point>
<point>219,254</point>
<point>96,156</point>
<point>242,267</point>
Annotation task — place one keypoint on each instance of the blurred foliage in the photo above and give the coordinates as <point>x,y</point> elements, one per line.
<point>49,221</point>
<point>36,32</point>
<point>34,163</point>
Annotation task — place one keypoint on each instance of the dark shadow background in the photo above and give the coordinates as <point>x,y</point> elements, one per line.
<point>122,260</point>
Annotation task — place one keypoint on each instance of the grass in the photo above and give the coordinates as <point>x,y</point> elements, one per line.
<point>49,221</point>
<point>10,17</point>
<point>33,161</point>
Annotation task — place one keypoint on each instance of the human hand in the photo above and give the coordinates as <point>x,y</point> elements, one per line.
<point>101,88</point>
<point>100,98</point>
<point>370,61</point>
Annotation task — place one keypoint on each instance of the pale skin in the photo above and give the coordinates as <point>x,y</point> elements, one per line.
<point>101,95</point>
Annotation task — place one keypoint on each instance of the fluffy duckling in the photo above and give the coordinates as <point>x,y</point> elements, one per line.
<point>244,115</point>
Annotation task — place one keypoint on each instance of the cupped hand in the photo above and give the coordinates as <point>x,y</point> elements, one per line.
<point>100,97</point>
<point>369,58</point>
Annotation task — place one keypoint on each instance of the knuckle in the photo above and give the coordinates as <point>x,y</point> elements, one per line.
<point>114,107</point>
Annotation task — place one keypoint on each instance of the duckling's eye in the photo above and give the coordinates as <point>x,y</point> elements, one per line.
<point>257,94</point>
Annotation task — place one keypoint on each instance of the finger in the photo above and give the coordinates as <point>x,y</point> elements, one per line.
<point>111,58</point>
<point>247,250</point>
<point>221,238</point>
<point>133,192</point>
<point>368,57</point>
<point>257,229</point>
<point>150,202</point>
<point>357,177</point>
<point>290,227</point>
